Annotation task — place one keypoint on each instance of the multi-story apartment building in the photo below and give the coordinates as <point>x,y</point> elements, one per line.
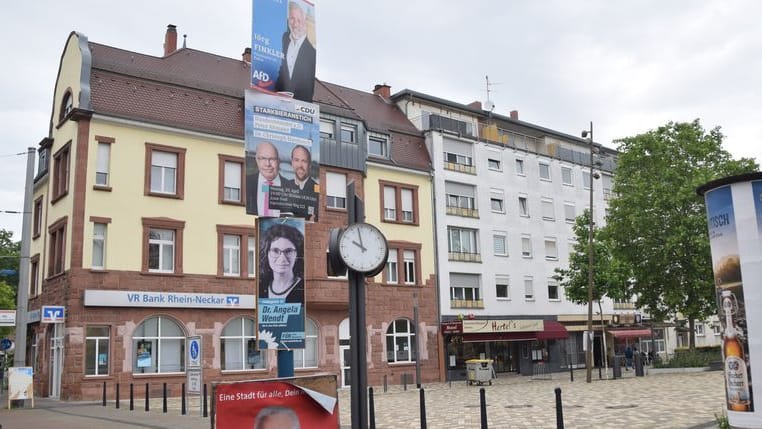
<point>507,193</point>
<point>140,228</point>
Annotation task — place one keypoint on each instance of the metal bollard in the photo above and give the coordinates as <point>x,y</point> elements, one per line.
<point>117,395</point>
<point>132,398</point>
<point>559,410</point>
<point>182,402</point>
<point>164,398</point>
<point>148,407</point>
<point>104,393</point>
<point>483,407</point>
<point>371,409</point>
<point>385,385</point>
<point>571,373</point>
<point>206,412</point>
<point>423,408</point>
<point>404,382</point>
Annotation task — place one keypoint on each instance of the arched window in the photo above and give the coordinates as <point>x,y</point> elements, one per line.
<point>238,344</point>
<point>400,346</point>
<point>67,104</point>
<point>308,357</point>
<point>159,344</point>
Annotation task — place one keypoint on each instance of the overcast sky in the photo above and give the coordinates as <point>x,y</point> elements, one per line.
<point>627,66</point>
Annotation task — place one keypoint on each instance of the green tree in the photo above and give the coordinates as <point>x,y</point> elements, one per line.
<point>657,223</point>
<point>9,261</point>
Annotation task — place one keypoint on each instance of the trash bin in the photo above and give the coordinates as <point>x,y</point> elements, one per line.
<point>617,367</point>
<point>480,371</point>
<point>638,363</point>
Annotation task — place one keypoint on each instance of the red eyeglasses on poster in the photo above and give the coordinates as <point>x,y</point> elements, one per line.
<point>293,403</point>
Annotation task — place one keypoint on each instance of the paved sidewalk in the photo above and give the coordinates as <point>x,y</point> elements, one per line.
<point>676,401</point>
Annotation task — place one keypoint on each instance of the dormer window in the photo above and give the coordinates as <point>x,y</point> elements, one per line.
<point>67,104</point>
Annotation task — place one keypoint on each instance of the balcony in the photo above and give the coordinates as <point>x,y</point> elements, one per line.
<point>464,257</point>
<point>462,211</point>
<point>466,303</point>
<point>461,168</point>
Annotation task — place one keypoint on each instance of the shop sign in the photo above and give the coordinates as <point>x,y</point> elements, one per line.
<point>502,325</point>
<point>449,328</point>
<point>120,298</point>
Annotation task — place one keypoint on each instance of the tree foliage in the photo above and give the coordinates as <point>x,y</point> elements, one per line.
<point>9,260</point>
<point>657,223</point>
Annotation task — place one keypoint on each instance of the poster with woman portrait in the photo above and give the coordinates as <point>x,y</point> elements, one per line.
<point>144,354</point>
<point>280,283</point>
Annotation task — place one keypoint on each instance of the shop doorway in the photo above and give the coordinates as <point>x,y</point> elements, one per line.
<point>56,335</point>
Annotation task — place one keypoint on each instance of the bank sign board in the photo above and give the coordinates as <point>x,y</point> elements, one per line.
<point>123,298</point>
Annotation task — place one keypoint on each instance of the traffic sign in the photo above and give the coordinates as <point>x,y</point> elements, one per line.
<point>194,352</point>
<point>194,381</point>
<point>53,313</point>
<point>6,344</point>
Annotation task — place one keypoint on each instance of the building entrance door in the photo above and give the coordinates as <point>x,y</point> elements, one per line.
<point>56,331</point>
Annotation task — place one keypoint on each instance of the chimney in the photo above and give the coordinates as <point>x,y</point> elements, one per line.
<point>246,56</point>
<point>170,40</point>
<point>383,90</point>
<point>515,114</point>
<point>475,105</point>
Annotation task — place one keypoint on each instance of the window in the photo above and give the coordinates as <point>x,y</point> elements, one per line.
<point>544,171</point>
<point>551,249</point>
<point>37,228</point>
<point>460,199</point>
<point>553,290</point>
<point>458,156</point>
<point>502,287</point>
<point>454,158</point>
<point>57,248</point>
<point>378,146</point>
<point>348,133</point>
<point>99,246</point>
<point>231,256</point>
<point>308,356</point>
<point>716,328</point>
<point>496,198</point>
<point>494,164</point>
<point>162,245</point>
<point>499,246</point>
<point>61,172</point>
<point>548,211</point>
<point>464,291</point>
<point>523,207</point>
<point>102,161</point>
<point>252,248</point>
<point>43,155</point>
<point>238,346</point>
<point>67,105</point>
<point>34,275</point>
<point>461,240</point>
<point>570,213</point>
<point>159,346</point>
<point>586,179</point>
<point>400,346</point>
<point>97,350</point>
<point>566,175</point>
<point>699,329</point>
<point>526,246</point>
<point>232,178</point>
<point>327,129</point>
<point>528,289</point>
<point>403,263</point>
<point>165,171</point>
<point>520,167</point>
<point>400,203</point>
<point>336,190</point>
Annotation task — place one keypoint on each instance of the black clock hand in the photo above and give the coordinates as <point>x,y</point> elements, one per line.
<point>359,245</point>
<point>359,235</point>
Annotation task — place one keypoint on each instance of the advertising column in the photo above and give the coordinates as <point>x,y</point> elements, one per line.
<point>734,220</point>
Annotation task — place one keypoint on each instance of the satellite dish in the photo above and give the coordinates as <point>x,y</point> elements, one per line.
<point>488,105</point>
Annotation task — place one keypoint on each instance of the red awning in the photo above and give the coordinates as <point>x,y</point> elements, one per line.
<point>553,331</point>
<point>630,333</point>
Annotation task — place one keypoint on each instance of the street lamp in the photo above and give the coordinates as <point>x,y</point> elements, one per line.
<point>590,261</point>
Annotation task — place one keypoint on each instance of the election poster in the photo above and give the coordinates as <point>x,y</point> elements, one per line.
<point>20,384</point>
<point>282,157</point>
<point>280,297</point>
<point>287,403</point>
<point>283,53</point>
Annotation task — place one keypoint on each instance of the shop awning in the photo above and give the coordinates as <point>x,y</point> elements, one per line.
<point>630,333</point>
<point>553,331</point>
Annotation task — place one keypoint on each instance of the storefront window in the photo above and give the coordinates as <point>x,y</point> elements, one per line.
<point>239,346</point>
<point>159,347</point>
<point>97,350</point>
<point>399,341</point>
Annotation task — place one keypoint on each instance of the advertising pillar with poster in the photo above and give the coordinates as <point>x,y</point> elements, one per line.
<point>288,403</point>
<point>280,293</point>
<point>734,219</point>
<point>283,45</point>
<point>282,156</point>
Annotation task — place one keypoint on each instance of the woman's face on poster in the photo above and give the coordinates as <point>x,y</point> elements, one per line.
<point>282,256</point>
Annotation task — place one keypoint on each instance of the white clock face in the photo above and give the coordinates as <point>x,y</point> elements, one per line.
<point>363,247</point>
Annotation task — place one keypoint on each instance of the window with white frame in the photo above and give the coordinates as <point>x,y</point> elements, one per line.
<point>392,267</point>
<point>102,160</point>
<point>520,167</point>
<point>716,328</point>
<point>238,346</point>
<point>348,133</point>
<point>158,344</point>
<point>336,190</point>
<point>97,355</point>
<point>327,129</point>
<point>252,248</point>
<point>523,206</point>
<point>548,211</point>
<point>399,202</point>
<point>161,250</point>
<point>494,164</point>
<point>462,240</point>
<point>566,176</point>
<point>308,356</point>
<point>464,287</point>
<point>163,172</point>
<point>409,266</point>
<point>99,246</point>
<point>551,249</point>
<point>499,244</point>
<point>586,179</point>
<point>400,342</point>
<point>528,289</point>
<point>460,196</point>
<point>232,182</point>
<point>390,203</point>
<point>408,213</point>
<point>496,198</point>
<point>231,253</point>
<point>570,212</point>
<point>699,329</point>
<point>378,146</point>
<point>544,171</point>
<point>526,246</point>
<point>553,290</point>
<point>502,287</point>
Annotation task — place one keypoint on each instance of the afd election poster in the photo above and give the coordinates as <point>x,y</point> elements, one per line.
<point>282,156</point>
<point>290,403</point>
<point>280,297</point>
<point>283,45</point>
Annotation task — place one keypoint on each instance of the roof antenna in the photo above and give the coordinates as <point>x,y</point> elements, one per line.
<point>489,105</point>
<point>184,37</point>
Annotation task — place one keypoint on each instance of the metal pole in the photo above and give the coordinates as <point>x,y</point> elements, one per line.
<point>359,378</point>
<point>415,342</point>
<point>605,349</point>
<point>22,294</point>
<point>590,276</point>
<point>559,410</point>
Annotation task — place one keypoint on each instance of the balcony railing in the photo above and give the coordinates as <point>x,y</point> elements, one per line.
<point>462,168</point>
<point>462,211</point>
<point>466,303</point>
<point>465,257</point>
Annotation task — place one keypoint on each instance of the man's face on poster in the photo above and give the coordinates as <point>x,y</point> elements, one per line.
<point>267,161</point>
<point>296,21</point>
<point>300,162</point>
